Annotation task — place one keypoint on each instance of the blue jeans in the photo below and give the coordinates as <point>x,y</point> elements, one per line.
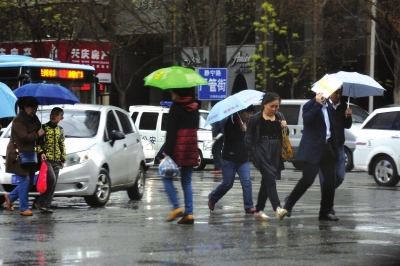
<point>186,182</point>
<point>22,192</point>
<point>340,168</point>
<point>229,169</point>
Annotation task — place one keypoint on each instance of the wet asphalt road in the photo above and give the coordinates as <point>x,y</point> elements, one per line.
<point>128,232</point>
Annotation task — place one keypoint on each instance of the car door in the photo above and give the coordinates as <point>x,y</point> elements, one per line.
<point>147,126</point>
<point>133,146</point>
<point>116,153</point>
<point>382,132</point>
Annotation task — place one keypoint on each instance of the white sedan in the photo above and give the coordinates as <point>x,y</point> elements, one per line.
<point>378,146</point>
<point>104,154</point>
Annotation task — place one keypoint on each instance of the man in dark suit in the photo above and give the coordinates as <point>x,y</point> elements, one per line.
<point>318,149</point>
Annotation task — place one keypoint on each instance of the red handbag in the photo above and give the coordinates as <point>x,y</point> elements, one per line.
<point>41,184</point>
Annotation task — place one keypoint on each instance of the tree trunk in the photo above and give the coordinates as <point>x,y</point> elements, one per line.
<point>396,90</point>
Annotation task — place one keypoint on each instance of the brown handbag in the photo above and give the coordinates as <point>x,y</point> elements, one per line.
<point>287,151</point>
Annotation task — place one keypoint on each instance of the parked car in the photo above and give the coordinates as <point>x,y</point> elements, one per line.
<point>293,110</point>
<point>104,154</point>
<point>378,146</point>
<point>152,123</point>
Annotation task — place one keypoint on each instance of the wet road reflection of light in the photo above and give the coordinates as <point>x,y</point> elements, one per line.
<point>78,254</point>
<point>377,229</point>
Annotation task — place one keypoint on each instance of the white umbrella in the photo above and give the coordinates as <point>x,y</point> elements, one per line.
<point>357,85</point>
<point>233,104</point>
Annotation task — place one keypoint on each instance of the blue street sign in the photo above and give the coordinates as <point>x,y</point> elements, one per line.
<point>217,80</point>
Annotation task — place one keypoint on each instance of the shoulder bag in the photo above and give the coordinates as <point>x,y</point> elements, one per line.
<point>27,159</point>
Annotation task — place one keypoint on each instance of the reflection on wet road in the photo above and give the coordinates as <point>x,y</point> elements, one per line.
<point>134,232</point>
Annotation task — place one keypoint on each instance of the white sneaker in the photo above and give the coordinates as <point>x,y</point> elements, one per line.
<point>280,213</point>
<point>261,216</point>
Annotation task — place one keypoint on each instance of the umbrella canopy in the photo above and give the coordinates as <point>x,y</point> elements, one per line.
<point>233,104</point>
<point>358,85</point>
<point>47,94</point>
<point>174,77</point>
<point>7,101</point>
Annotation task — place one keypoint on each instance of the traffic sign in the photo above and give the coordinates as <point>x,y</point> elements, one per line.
<point>217,84</point>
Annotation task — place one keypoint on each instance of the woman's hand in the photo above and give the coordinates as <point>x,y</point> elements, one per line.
<point>283,123</point>
<point>41,132</point>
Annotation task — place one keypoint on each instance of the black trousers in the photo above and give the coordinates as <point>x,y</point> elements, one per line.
<point>327,164</point>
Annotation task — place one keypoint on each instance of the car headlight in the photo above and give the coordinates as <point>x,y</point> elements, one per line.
<point>77,158</point>
<point>207,145</point>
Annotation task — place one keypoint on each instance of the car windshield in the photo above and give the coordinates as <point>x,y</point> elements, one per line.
<point>77,123</point>
<point>359,115</point>
<point>202,121</point>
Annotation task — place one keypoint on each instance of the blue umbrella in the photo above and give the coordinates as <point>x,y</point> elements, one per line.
<point>233,104</point>
<point>7,101</point>
<point>47,94</point>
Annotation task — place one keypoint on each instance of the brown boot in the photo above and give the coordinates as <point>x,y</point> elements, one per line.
<point>178,212</point>
<point>26,213</point>
<point>10,206</point>
<point>187,219</point>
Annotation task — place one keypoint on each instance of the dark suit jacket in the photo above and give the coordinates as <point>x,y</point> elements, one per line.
<point>314,132</point>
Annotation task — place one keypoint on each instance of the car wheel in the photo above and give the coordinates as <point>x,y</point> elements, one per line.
<point>102,191</point>
<point>298,165</point>
<point>146,168</point>
<point>202,164</point>
<point>136,192</point>
<point>349,159</point>
<point>2,200</point>
<point>385,172</point>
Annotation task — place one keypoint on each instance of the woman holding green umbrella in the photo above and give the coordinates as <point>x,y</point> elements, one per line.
<point>181,146</point>
<point>181,139</point>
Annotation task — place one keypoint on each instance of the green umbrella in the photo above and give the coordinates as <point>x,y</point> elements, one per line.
<point>174,77</point>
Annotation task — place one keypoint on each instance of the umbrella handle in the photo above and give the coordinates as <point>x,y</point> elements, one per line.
<point>240,118</point>
<point>348,102</point>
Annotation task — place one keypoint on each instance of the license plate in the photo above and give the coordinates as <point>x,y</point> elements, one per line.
<point>15,181</point>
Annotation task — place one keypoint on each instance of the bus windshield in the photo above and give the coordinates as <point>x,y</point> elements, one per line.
<point>79,79</point>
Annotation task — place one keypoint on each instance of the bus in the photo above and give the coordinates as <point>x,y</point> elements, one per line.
<point>17,70</point>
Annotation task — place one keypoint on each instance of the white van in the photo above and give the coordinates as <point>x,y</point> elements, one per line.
<point>152,124</point>
<point>293,112</point>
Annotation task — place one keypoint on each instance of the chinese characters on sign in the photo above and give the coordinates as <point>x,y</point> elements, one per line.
<point>217,81</point>
<point>86,53</point>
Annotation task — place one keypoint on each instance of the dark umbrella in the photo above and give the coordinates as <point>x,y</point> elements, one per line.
<point>47,94</point>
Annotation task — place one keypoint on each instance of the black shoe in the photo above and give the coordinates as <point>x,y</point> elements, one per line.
<point>42,208</point>
<point>333,211</point>
<point>328,217</point>
<point>287,208</point>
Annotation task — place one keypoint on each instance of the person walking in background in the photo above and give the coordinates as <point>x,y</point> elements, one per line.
<point>318,150</point>
<point>218,137</point>
<point>181,146</point>
<point>52,151</point>
<point>25,131</point>
<point>264,143</point>
<point>234,160</point>
<point>343,120</point>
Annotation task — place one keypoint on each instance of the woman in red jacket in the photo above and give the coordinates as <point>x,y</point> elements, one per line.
<point>181,146</point>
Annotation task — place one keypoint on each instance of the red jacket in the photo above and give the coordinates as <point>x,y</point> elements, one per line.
<point>181,139</point>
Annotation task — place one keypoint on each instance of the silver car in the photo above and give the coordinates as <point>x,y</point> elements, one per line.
<point>104,154</point>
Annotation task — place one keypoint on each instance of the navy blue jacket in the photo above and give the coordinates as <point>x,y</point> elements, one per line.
<point>314,132</point>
